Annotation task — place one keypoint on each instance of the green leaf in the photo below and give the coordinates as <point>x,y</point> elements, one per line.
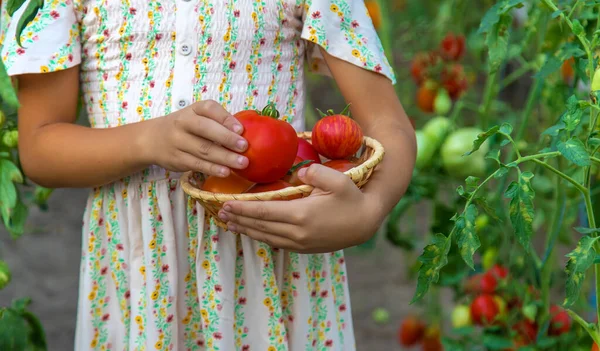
<point>433,259</point>
<point>491,17</point>
<point>27,17</point>
<point>506,128</point>
<point>577,27</point>
<point>20,305</point>
<point>13,5</point>
<point>471,183</point>
<point>553,130</point>
<point>580,260</point>
<point>572,117</point>
<point>8,96</point>
<point>551,65</point>
<point>502,171</point>
<point>482,202</point>
<point>521,208</point>
<point>574,151</point>
<point>481,138</point>
<point>494,154</point>
<point>468,241</point>
<point>593,142</point>
<point>13,330</point>
<point>497,342</point>
<point>453,345</point>
<point>8,191</point>
<point>583,230</point>
<point>37,336</point>
<point>17,219</point>
<point>497,42</point>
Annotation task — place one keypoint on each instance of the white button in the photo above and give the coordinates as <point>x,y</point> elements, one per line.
<point>182,103</point>
<point>185,49</point>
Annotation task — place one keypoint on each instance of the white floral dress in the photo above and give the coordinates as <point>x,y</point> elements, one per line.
<point>155,275</point>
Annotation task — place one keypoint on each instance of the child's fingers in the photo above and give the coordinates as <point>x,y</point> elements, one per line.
<point>193,163</point>
<point>213,110</point>
<point>275,241</point>
<point>276,228</point>
<point>213,131</point>
<point>209,151</point>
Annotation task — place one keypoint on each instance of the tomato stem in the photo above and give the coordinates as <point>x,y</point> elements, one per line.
<point>270,111</point>
<point>299,165</point>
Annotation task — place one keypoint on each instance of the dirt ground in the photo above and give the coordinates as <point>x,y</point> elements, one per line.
<point>45,264</point>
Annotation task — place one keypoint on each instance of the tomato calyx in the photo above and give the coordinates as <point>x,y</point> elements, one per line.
<point>270,111</point>
<point>330,112</point>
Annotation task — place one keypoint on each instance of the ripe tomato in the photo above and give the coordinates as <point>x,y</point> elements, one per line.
<point>452,47</point>
<point>337,136</point>
<point>454,80</point>
<point>426,95</point>
<point>560,322</point>
<point>411,331</point>
<point>272,145</point>
<point>484,309</point>
<point>307,152</point>
<point>595,347</point>
<point>461,316</point>
<point>233,184</point>
<point>431,340</point>
<point>422,64</point>
<point>499,272</point>
<point>481,283</point>
<point>292,177</point>
<point>374,13</point>
<point>340,165</point>
<point>276,185</point>
<point>567,72</point>
<point>527,330</point>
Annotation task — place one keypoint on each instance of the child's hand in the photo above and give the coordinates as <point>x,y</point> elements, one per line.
<point>335,216</point>
<point>199,138</point>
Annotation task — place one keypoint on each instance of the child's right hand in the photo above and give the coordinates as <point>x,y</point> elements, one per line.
<point>200,138</point>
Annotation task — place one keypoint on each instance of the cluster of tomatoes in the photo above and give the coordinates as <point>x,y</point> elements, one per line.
<point>276,153</point>
<point>439,75</point>
<point>492,305</point>
<point>413,331</point>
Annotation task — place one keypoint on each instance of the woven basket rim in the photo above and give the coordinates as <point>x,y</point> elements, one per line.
<point>354,173</point>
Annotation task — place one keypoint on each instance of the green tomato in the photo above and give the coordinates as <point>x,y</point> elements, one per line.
<point>4,275</point>
<point>461,316</point>
<point>442,103</point>
<point>455,146</point>
<point>381,315</point>
<point>489,258</point>
<point>529,311</point>
<point>425,150</point>
<point>436,130</point>
<point>596,80</point>
<point>11,138</point>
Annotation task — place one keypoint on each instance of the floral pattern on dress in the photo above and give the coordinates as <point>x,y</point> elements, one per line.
<point>156,273</point>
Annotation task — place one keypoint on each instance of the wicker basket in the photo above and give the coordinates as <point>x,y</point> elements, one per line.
<point>371,155</point>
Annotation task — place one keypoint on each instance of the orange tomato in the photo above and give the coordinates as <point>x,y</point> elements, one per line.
<point>567,71</point>
<point>233,184</point>
<point>426,97</point>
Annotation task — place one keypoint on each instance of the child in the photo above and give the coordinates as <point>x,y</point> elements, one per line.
<point>160,81</point>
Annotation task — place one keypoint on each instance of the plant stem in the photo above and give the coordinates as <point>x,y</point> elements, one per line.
<point>484,110</point>
<point>585,325</point>
<point>579,187</point>
<point>514,76</point>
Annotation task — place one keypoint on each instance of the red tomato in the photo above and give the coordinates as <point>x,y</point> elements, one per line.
<point>454,80</point>
<point>233,184</point>
<point>560,322</point>
<point>452,47</point>
<point>527,330</point>
<point>426,95</point>
<point>422,64</point>
<point>481,283</point>
<point>307,152</point>
<point>484,309</point>
<point>340,165</point>
<point>566,70</point>
<point>276,185</point>
<point>272,145</point>
<point>498,271</point>
<point>411,331</point>
<point>337,136</point>
<point>431,340</point>
<point>293,177</point>
<point>595,347</point>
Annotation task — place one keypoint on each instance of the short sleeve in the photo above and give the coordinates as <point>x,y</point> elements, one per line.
<point>345,30</point>
<point>49,43</point>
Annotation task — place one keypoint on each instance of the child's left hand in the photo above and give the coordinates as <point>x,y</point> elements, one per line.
<point>335,216</point>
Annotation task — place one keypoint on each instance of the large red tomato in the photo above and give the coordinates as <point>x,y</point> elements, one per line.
<point>484,309</point>
<point>233,184</point>
<point>411,331</point>
<point>276,185</point>
<point>341,165</point>
<point>307,152</point>
<point>337,136</point>
<point>560,322</point>
<point>272,145</point>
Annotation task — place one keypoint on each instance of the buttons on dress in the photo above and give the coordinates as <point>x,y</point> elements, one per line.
<point>182,103</point>
<point>185,49</point>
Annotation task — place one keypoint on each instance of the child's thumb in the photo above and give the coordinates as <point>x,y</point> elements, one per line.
<point>324,178</point>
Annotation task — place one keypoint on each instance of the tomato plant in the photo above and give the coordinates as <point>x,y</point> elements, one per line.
<point>270,157</point>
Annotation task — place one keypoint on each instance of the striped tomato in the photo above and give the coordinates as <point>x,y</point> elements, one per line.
<point>337,136</point>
